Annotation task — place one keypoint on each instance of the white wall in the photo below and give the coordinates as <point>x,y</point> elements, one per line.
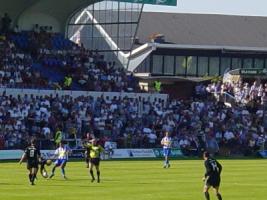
<point>29,19</point>
<point>148,96</point>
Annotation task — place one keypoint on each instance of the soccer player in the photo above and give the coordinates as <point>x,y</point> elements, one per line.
<point>86,144</point>
<point>62,154</point>
<point>166,142</point>
<point>42,164</point>
<point>32,154</point>
<point>94,161</point>
<point>212,176</point>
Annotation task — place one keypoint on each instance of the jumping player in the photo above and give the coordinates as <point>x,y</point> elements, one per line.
<point>212,176</point>
<point>94,161</point>
<point>166,142</point>
<point>32,154</point>
<point>62,154</point>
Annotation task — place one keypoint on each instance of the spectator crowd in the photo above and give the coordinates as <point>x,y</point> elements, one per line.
<point>22,51</point>
<point>194,124</point>
<point>243,92</point>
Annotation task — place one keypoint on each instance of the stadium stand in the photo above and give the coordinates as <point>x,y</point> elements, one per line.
<point>42,58</point>
<point>194,124</point>
<point>244,93</point>
<point>50,57</point>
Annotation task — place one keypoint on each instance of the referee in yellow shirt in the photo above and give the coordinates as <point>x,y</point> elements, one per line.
<point>94,161</point>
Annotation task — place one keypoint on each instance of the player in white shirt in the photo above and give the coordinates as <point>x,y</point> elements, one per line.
<point>62,154</point>
<point>166,142</point>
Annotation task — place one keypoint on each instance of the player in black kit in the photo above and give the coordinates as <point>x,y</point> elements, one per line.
<point>32,154</point>
<point>212,176</point>
<point>43,162</point>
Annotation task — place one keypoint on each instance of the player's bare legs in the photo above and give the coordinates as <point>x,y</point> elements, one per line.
<point>53,171</point>
<point>206,192</point>
<point>218,195</point>
<point>166,162</point>
<point>32,175</point>
<point>63,165</point>
<point>98,173</point>
<point>91,171</point>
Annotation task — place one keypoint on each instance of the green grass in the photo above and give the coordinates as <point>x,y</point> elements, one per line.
<point>137,180</point>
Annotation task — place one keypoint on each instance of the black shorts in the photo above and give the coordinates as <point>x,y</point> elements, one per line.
<point>95,161</point>
<point>32,164</point>
<point>213,181</point>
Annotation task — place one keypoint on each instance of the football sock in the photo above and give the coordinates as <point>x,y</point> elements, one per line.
<point>219,196</point>
<point>53,170</point>
<point>30,177</point>
<point>33,177</point>
<point>207,195</point>
<point>98,176</point>
<point>92,174</point>
<point>63,172</point>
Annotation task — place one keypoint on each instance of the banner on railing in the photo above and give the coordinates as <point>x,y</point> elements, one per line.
<point>10,154</point>
<point>174,152</point>
<point>79,153</point>
<point>253,72</point>
<point>48,154</point>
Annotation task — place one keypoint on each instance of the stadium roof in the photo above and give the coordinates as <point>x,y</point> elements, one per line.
<point>32,11</point>
<point>205,29</point>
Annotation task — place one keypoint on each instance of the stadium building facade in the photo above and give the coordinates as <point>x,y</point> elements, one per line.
<point>198,45</point>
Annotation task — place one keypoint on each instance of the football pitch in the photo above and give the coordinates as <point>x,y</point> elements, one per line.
<point>137,180</point>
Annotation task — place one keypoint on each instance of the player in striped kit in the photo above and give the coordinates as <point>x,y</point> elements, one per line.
<point>166,142</point>
<point>62,154</point>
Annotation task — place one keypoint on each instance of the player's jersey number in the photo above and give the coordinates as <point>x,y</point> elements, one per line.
<point>31,153</point>
<point>214,166</point>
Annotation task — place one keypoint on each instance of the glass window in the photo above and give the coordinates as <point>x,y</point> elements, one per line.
<point>247,63</point>
<point>214,66</point>
<point>169,65</point>
<point>191,65</point>
<point>180,65</point>
<point>144,66</point>
<point>236,63</point>
<point>157,64</point>
<point>259,63</point>
<point>225,65</point>
<point>266,63</point>
<point>203,66</point>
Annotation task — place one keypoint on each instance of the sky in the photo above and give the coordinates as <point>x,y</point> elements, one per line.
<point>228,7</point>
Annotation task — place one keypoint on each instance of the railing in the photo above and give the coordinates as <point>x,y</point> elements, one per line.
<point>227,98</point>
<point>151,97</point>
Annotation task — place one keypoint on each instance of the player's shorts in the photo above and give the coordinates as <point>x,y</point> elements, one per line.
<point>95,161</point>
<point>213,181</point>
<point>32,164</point>
<point>59,162</point>
<point>166,151</point>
